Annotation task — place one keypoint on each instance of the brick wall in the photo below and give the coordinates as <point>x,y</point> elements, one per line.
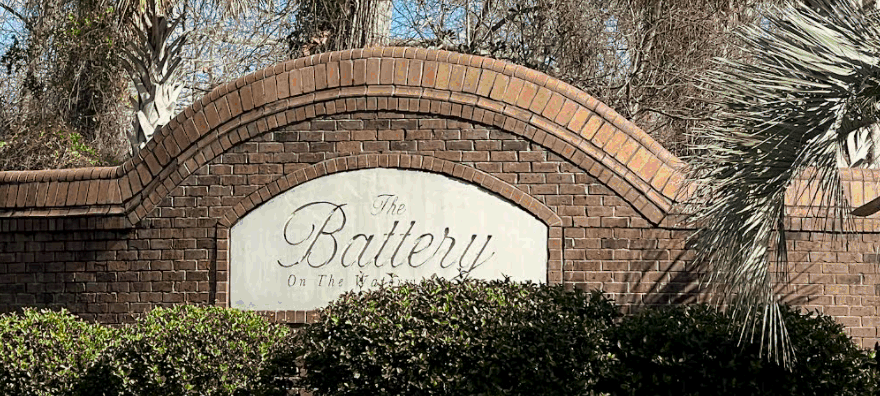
<point>110,242</point>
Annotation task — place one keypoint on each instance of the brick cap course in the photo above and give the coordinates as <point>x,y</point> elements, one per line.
<point>549,112</point>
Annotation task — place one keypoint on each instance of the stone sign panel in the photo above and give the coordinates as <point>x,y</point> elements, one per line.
<point>355,230</point>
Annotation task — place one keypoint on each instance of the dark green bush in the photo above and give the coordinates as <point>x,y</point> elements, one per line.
<point>828,362</point>
<point>440,337</point>
<point>46,352</point>
<point>188,350</point>
<point>695,350</point>
<point>436,337</point>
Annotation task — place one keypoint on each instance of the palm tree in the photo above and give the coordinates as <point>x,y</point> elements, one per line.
<point>152,60</point>
<point>152,64</point>
<point>804,103</point>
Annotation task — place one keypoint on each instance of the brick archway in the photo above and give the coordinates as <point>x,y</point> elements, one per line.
<point>513,98</point>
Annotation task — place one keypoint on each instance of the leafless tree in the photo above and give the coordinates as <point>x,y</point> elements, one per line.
<point>60,90</point>
<point>159,55</point>
<point>65,91</point>
<point>641,57</point>
<point>220,49</point>
<point>329,25</point>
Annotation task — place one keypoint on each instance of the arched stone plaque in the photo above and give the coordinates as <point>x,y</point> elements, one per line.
<point>352,230</point>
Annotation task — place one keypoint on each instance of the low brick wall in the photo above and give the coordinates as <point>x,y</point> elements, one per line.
<point>107,243</point>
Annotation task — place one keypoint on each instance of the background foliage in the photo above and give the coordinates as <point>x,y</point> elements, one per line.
<point>640,57</point>
<point>60,84</point>
<point>63,73</point>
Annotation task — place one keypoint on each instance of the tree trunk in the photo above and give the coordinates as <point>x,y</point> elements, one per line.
<point>153,66</point>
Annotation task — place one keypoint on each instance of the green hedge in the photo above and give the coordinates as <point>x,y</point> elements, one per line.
<point>695,350</point>
<point>44,352</point>
<point>494,338</point>
<point>440,337</point>
<point>184,350</point>
<point>436,337</point>
<point>188,350</point>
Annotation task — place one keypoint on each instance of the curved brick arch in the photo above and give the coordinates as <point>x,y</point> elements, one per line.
<point>400,161</point>
<point>518,100</point>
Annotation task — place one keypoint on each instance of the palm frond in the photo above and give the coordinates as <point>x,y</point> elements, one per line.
<point>813,80</point>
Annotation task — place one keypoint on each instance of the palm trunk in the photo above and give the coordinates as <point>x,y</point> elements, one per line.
<point>153,65</point>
